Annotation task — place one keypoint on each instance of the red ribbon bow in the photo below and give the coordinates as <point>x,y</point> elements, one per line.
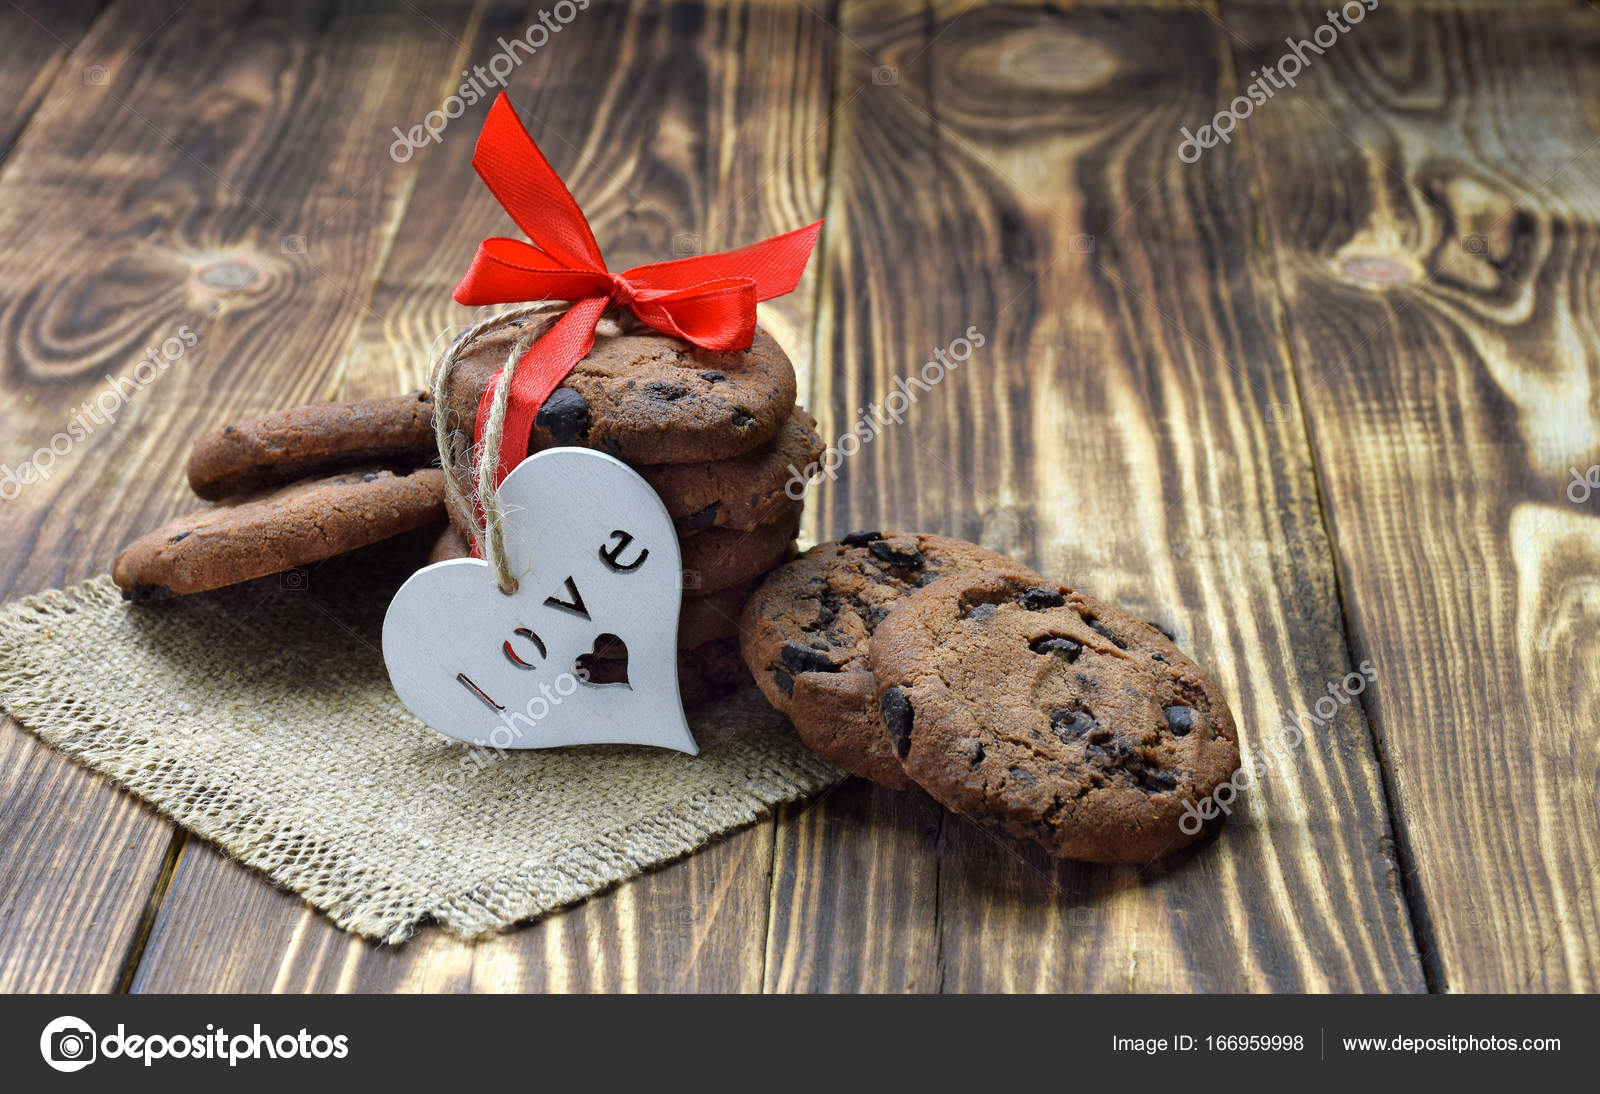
<point>709,300</point>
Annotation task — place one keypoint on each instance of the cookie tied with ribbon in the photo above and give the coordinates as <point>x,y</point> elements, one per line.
<point>592,564</point>
<point>708,301</point>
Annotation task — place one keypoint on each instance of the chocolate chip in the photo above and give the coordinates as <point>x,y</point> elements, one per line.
<point>1070,724</point>
<point>861,539</point>
<point>801,658</point>
<point>700,521</point>
<point>1052,643</point>
<point>903,556</point>
<point>978,612</point>
<point>1157,657</point>
<point>784,681</point>
<point>712,376</point>
<point>180,535</point>
<point>1041,597</point>
<point>565,416</point>
<point>1181,720</point>
<point>611,447</point>
<point>1020,777</point>
<point>1155,782</point>
<point>897,719</point>
<point>742,419</point>
<point>227,430</point>
<point>370,476</point>
<point>665,389</point>
<point>1105,632</point>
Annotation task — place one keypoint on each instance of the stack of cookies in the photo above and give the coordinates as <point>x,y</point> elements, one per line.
<point>1043,714</point>
<point>717,435</point>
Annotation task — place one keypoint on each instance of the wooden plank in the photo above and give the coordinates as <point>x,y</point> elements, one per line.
<point>36,45</point>
<point>36,42</point>
<point>224,179</point>
<point>853,894</point>
<point>1432,193</point>
<point>678,127</point>
<point>1131,425</point>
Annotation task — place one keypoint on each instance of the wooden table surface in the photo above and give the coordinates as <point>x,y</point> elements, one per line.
<point>1313,403</point>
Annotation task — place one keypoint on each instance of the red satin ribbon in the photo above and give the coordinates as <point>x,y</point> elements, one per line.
<point>708,300</point>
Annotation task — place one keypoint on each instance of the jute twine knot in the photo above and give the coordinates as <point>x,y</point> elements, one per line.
<point>534,319</point>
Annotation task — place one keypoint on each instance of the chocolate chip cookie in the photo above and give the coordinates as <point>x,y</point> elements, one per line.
<point>721,558</point>
<point>1049,716</point>
<point>313,440</point>
<point>718,558</point>
<point>744,508</point>
<point>701,619</point>
<point>644,397</point>
<point>266,533</point>
<point>805,630</point>
<point>745,491</point>
<point>705,673</point>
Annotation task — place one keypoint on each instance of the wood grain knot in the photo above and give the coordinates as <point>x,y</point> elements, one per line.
<point>1380,271</point>
<point>228,276</point>
<point>1044,59</point>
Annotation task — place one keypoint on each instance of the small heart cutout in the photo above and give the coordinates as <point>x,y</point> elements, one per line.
<point>606,665</point>
<point>597,586</point>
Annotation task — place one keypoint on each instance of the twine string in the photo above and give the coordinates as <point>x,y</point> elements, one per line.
<point>485,452</point>
<point>488,529</point>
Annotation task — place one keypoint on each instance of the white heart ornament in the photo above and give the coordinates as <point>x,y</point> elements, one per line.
<point>593,552</point>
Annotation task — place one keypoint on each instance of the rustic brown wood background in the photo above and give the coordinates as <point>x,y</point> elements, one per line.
<point>1313,401</point>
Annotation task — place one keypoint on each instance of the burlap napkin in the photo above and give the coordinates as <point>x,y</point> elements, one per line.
<point>261,718</point>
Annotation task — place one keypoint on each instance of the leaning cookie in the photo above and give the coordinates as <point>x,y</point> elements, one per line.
<point>642,397</point>
<point>312,440</point>
<point>1049,716</point>
<point>292,526</point>
<point>805,630</point>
